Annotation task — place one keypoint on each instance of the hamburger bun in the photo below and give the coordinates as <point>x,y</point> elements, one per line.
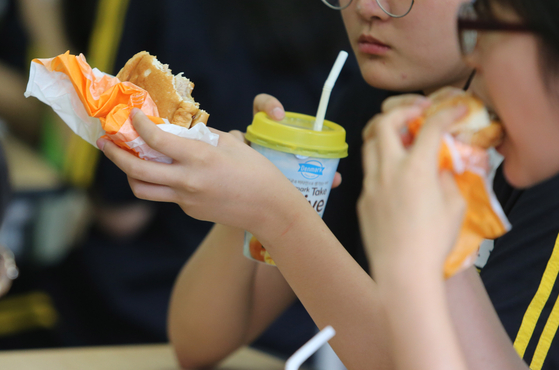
<point>476,128</point>
<point>171,93</point>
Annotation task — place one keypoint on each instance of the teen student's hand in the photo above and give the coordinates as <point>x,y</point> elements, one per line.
<point>410,212</point>
<point>274,109</point>
<point>270,105</point>
<point>409,100</point>
<point>230,184</point>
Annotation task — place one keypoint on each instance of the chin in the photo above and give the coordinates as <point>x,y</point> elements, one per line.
<point>524,179</point>
<point>516,180</point>
<point>383,74</point>
<point>386,81</point>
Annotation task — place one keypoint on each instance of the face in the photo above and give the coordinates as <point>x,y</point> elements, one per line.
<point>510,81</point>
<point>416,52</point>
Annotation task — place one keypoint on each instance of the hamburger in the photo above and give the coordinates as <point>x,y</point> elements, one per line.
<point>477,128</point>
<point>171,93</point>
<point>467,158</point>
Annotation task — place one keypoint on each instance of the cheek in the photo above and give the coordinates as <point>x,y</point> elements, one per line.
<point>502,89</point>
<point>350,21</point>
<point>429,46</point>
<point>517,92</point>
<point>432,33</point>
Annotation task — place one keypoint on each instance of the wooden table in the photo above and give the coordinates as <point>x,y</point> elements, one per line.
<point>136,357</point>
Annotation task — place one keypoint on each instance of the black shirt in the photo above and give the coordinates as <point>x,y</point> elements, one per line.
<point>520,274</point>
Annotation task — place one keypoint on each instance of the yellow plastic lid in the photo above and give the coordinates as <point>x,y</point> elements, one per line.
<point>295,134</point>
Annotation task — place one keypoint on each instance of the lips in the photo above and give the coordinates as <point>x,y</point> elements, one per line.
<point>369,45</point>
<point>496,119</point>
<point>493,115</point>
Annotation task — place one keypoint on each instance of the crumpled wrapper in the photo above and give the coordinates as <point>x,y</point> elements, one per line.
<point>484,218</point>
<point>95,104</point>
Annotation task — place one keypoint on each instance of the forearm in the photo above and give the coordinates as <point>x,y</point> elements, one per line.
<point>421,328</point>
<point>214,309</point>
<point>22,115</point>
<point>45,25</point>
<point>334,289</point>
<point>426,321</point>
<point>209,309</point>
<point>482,336</point>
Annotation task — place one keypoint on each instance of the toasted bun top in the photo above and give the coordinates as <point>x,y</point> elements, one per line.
<point>171,94</point>
<point>476,128</point>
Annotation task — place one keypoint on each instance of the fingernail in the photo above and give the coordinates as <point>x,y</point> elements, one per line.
<point>101,143</point>
<point>422,101</point>
<point>461,109</point>
<point>133,112</point>
<point>277,113</point>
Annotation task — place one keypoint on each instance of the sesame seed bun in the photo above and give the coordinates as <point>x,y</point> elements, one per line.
<point>476,128</point>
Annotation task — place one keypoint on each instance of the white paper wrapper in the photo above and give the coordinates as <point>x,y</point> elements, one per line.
<point>56,90</point>
<point>198,132</point>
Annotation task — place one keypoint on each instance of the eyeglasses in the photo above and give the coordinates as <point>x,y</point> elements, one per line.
<point>469,24</point>
<point>394,8</point>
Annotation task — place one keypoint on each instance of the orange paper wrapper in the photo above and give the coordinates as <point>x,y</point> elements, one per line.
<point>94,104</point>
<point>484,217</point>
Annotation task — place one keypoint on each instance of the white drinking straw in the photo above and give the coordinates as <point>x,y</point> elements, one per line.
<point>303,353</point>
<point>327,89</point>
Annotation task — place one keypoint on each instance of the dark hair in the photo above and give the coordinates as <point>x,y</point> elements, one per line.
<point>542,16</point>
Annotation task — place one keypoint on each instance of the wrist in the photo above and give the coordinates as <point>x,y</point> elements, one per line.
<point>283,209</point>
<point>405,273</point>
<point>403,287</point>
<point>419,320</point>
<point>294,228</point>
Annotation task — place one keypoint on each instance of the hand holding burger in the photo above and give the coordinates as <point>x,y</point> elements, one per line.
<point>476,128</point>
<point>407,178</point>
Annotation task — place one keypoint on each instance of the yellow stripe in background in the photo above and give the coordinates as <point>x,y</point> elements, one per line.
<point>81,158</point>
<point>538,302</point>
<point>106,34</point>
<point>80,162</point>
<point>547,337</point>
<point>24,312</point>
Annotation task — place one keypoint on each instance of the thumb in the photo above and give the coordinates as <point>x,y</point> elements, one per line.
<point>238,135</point>
<point>270,105</point>
<point>452,194</point>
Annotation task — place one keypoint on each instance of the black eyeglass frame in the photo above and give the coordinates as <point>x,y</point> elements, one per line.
<point>475,25</point>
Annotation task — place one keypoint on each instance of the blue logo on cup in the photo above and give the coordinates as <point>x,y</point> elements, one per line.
<point>311,169</point>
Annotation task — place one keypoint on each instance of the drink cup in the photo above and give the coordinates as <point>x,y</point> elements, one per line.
<point>308,158</point>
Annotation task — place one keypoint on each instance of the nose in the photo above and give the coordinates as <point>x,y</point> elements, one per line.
<point>369,10</point>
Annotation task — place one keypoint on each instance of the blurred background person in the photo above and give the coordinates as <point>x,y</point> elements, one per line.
<point>31,28</point>
<point>35,29</point>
